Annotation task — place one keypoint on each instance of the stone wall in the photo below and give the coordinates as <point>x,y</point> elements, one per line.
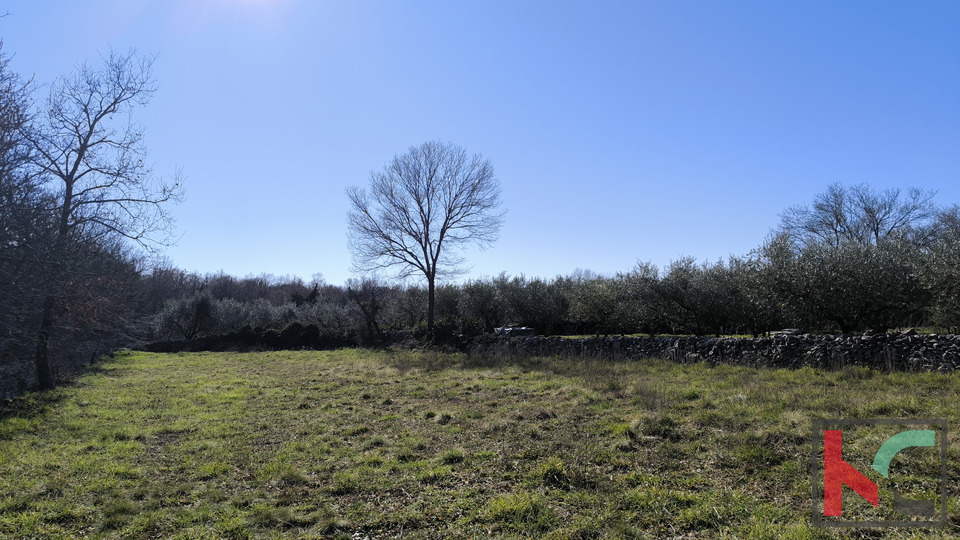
<point>904,351</point>
<point>889,352</point>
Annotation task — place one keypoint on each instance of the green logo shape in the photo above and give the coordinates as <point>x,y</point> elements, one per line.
<point>900,441</point>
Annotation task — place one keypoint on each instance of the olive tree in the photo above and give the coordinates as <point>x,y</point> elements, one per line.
<point>187,317</point>
<point>942,278</point>
<point>420,209</point>
<point>696,298</point>
<point>535,302</point>
<point>758,309</point>
<point>851,286</point>
<point>594,304</point>
<point>483,302</point>
<point>642,297</point>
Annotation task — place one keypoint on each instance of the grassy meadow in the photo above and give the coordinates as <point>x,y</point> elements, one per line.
<point>359,444</point>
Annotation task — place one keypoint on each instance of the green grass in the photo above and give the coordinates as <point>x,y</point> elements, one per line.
<point>355,444</point>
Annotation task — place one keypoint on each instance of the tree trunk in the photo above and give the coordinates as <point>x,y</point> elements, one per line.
<point>845,327</point>
<point>42,359</point>
<point>431,303</point>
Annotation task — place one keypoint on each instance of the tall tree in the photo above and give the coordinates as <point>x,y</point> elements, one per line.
<point>90,152</point>
<point>423,207</point>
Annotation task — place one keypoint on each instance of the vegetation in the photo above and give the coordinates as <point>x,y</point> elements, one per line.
<point>75,195</point>
<point>80,211</point>
<point>857,260</point>
<point>360,444</point>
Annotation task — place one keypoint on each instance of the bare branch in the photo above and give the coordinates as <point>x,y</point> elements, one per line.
<point>97,162</point>
<point>423,207</point>
<point>860,215</point>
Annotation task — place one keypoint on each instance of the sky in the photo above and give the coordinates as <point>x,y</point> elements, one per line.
<point>619,131</point>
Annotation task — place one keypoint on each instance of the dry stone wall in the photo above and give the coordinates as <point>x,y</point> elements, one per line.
<point>905,351</point>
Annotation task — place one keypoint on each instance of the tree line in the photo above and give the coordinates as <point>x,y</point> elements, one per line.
<point>855,259</point>
<point>82,217</point>
<point>79,209</point>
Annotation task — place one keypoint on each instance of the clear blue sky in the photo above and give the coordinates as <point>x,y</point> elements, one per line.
<point>620,131</point>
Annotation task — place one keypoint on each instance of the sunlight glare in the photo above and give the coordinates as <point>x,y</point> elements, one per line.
<point>194,15</point>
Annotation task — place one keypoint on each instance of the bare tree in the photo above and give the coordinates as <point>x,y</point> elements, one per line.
<point>860,215</point>
<point>948,222</point>
<point>420,209</point>
<point>90,153</point>
<point>89,146</point>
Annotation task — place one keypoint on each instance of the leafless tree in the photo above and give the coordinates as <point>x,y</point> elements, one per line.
<point>860,215</point>
<point>420,209</point>
<point>948,222</point>
<point>90,153</point>
<point>88,145</point>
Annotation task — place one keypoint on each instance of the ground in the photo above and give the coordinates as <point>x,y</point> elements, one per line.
<point>414,444</point>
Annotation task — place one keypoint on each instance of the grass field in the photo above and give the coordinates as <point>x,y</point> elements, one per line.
<point>358,444</point>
